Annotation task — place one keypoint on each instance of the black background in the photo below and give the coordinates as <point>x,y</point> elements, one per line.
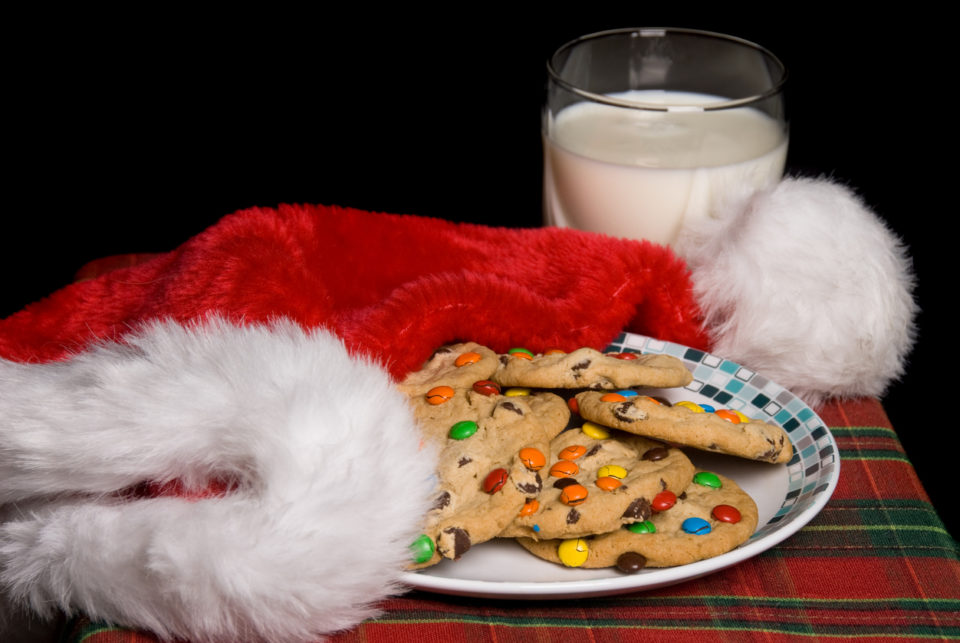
<point>133,133</point>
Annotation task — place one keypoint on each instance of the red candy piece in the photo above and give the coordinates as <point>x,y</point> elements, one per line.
<point>726,513</point>
<point>574,406</point>
<point>486,387</point>
<point>627,356</point>
<point>495,480</point>
<point>664,500</point>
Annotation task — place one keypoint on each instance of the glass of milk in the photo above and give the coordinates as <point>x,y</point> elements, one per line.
<point>648,130</point>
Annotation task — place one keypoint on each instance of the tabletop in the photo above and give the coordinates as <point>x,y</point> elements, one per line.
<point>876,562</point>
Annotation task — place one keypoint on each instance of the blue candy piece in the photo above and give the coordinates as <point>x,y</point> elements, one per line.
<point>696,526</point>
<point>627,393</point>
<point>707,408</point>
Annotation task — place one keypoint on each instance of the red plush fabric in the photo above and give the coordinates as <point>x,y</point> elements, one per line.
<point>394,287</point>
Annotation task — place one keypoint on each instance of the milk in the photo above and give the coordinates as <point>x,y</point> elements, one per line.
<point>643,174</point>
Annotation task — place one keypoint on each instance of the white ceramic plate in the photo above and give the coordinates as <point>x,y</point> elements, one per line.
<point>788,497</point>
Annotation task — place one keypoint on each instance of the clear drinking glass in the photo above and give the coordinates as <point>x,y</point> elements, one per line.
<point>647,130</point>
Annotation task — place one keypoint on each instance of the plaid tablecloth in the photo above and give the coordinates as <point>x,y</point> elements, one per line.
<point>875,563</point>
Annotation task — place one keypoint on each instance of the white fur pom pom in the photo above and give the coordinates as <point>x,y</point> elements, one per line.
<point>807,286</point>
<point>331,483</point>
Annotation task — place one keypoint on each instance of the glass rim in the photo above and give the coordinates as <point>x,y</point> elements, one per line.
<point>776,88</point>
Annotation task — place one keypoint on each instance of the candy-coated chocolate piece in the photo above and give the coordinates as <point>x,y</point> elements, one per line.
<point>495,480</point>
<point>555,351</point>
<point>421,549</point>
<point>727,415</point>
<point>467,358</point>
<point>631,562</point>
<point>612,470</point>
<point>608,483</point>
<point>726,513</point>
<point>532,458</point>
<point>743,418</point>
<point>653,399</point>
<point>530,507</point>
<point>696,526</point>
<point>664,500</point>
<point>627,393</point>
<point>595,431</point>
<point>573,495</point>
<point>463,429</point>
<point>627,356</point>
<point>573,405</point>
<point>522,353</point>
<point>707,479</point>
<point>656,453</point>
<point>613,397</point>
<point>486,387</point>
<point>516,391</point>
<point>564,469</point>
<point>573,552</point>
<point>645,527</point>
<point>439,395</point>
<point>707,408</point>
<point>572,452</point>
<point>693,406</point>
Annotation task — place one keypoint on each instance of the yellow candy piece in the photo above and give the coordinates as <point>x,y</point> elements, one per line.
<point>516,392</point>
<point>573,552</point>
<point>696,408</point>
<point>743,418</point>
<point>612,471</point>
<point>594,431</point>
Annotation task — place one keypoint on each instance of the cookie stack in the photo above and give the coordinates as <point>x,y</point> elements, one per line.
<point>571,455</point>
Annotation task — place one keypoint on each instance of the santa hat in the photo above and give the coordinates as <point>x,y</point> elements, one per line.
<point>207,445</point>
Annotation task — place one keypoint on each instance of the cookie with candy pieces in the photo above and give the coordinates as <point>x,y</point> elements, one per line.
<point>687,424</point>
<point>590,369</point>
<point>491,448</point>
<point>457,365</point>
<point>711,517</point>
<point>598,479</point>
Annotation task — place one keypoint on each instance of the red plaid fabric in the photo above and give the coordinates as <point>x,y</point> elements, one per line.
<point>875,563</point>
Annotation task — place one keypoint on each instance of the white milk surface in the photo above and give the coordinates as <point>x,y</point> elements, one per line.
<point>642,174</point>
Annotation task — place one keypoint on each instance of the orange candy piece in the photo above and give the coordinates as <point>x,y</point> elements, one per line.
<point>530,507</point>
<point>564,469</point>
<point>467,358</point>
<point>573,495</point>
<point>608,483</point>
<point>572,452</point>
<point>613,397</point>
<point>532,459</point>
<point>729,416</point>
<point>439,395</point>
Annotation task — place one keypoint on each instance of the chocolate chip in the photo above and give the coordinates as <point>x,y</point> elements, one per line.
<point>631,562</point>
<point>663,401</point>
<point>510,406</point>
<point>504,359</point>
<point>531,487</point>
<point>579,366</point>
<point>620,411</point>
<point>656,453</point>
<point>594,450</point>
<point>442,501</point>
<point>461,541</point>
<point>464,461</point>
<point>682,496</point>
<point>563,483</point>
<point>573,517</point>
<point>639,510</point>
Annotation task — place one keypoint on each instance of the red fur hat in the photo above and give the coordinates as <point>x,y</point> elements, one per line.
<point>394,287</point>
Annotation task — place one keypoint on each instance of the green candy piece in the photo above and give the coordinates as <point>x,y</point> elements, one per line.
<point>463,429</point>
<point>421,549</point>
<point>520,350</point>
<point>645,527</point>
<point>708,479</point>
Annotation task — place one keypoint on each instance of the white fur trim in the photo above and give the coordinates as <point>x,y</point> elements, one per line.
<point>333,483</point>
<point>808,287</point>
